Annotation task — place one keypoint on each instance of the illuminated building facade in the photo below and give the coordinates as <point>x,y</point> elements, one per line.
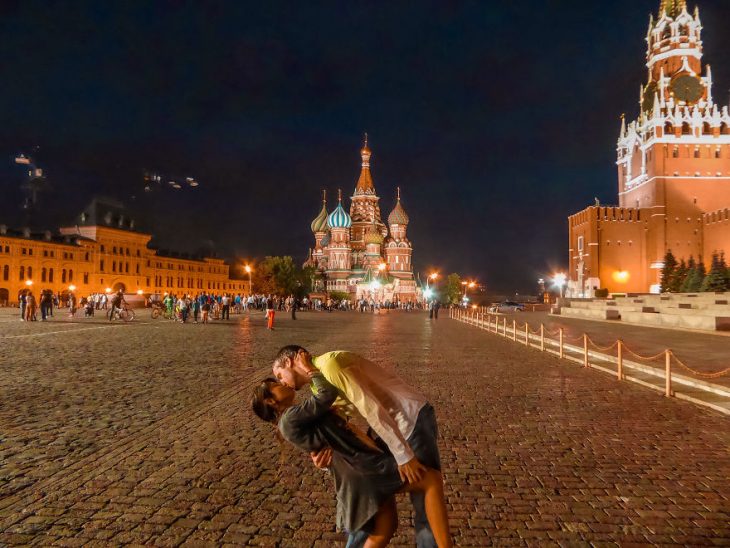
<point>101,252</point>
<point>356,252</point>
<point>673,171</point>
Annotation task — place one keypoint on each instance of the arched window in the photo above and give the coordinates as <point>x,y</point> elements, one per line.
<point>63,276</point>
<point>686,129</point>
<point>43,274</point>
<point>30,272</point>
<point>70,276</point>
<point>50,275</point>
<point>21,274</point>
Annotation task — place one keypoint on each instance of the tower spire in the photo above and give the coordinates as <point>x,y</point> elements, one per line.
<point>365,182</point>
<point>324,197</point>
<point>672,8</point>
<point>339,195</point>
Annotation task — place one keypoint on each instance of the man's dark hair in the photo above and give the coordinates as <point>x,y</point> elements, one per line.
<point>289,351</point>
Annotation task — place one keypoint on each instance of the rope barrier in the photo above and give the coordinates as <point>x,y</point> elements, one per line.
<point>602,348</point>
<point>660,355</point>
<point>714,375</point>
<point>547,334</point>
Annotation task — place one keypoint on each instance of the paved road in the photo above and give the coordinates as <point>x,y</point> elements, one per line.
<point>703,352</point>
<point>141,434</point>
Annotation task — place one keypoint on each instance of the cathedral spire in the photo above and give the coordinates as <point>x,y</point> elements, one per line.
<point>672,8</point>
<point>365,182</point>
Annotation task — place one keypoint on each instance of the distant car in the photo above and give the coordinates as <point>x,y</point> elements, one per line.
<point>506,306</point>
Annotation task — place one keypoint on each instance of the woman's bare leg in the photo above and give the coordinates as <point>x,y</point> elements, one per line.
<point>386,522</point>
<point>432,486</point>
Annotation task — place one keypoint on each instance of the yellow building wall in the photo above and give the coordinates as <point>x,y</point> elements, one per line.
<point>99,259</point>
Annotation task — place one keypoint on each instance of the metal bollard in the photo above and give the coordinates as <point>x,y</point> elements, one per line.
<point>514,330</point>
<point>527,334</point>
<point>585,350</point>
<point>504,327</point>
<point>668,373</point>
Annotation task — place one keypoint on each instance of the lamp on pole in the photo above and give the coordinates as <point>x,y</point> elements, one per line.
<point>560,280</point>
<point>248,270</point>
<point>467,287</point>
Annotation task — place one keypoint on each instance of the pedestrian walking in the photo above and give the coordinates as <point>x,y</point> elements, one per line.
<point>270,312</point>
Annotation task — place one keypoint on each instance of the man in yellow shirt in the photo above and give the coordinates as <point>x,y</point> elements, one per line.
<point>400,415</point>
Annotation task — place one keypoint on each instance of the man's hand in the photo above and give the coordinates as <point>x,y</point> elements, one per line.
<point>322,458</point>
<point>412,471</point>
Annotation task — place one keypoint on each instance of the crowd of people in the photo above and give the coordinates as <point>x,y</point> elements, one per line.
<point>198,308</point>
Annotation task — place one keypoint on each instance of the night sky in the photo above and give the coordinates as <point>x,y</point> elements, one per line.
<point>497,119</point>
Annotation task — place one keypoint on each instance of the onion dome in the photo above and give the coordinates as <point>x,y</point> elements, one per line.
<point>398,216</point>
<point>339,217</point>
<point>373,236</point>
<point>320,222</point>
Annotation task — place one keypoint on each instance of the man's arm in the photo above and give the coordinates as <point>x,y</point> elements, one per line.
<point>377,417</point>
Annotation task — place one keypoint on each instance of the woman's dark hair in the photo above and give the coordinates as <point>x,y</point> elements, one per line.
<point>261,393</point>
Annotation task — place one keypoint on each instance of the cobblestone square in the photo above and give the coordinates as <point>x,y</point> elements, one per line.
<point>140,433</point>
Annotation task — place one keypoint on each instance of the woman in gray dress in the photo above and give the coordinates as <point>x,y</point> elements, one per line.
<point>365,473</point>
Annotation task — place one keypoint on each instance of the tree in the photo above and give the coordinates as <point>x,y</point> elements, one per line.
<point>716,278</point>
<point>452,290</point>
<point>691,270</point>
<point>694,283</point>
<point>668,271</point>
<point>281,276</point>
<point>680,275</point>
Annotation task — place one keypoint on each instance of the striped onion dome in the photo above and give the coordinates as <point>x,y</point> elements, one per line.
<point>339,218</point>
<point>320,223</point>
<point>398,216</point>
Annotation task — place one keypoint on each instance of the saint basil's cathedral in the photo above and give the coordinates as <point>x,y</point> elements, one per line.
<point>356,252</point>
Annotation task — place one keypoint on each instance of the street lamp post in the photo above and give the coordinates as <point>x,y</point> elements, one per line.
<point>467,286</point>
<point>560,280</point>
<point>248,269</point>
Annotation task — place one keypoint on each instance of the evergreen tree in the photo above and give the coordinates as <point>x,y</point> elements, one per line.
<point>726,272</point>
<point>715,279</point>
<point>694,283</point>
<point>680,275</point>
<point>668,271</point>
<point>691,269</point>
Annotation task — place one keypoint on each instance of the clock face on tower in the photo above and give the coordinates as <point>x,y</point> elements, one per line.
<point>647,102</point>
<point>687,88</point>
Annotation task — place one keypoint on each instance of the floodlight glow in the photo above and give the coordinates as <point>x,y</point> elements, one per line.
<point>72,287</point>
<point>28,282</point>
<point>428,293</point>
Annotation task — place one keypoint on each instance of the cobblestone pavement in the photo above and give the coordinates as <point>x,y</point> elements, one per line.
<point>141,434</point>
